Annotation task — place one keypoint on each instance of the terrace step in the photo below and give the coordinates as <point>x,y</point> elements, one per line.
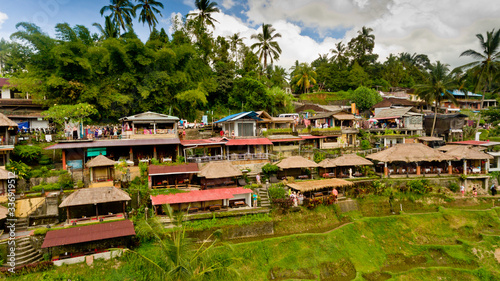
<point>264,197</point>
<point>25,253</point>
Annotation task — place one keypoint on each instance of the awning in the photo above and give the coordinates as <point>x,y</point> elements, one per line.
<point>88,233</point>
<point>257,141</point>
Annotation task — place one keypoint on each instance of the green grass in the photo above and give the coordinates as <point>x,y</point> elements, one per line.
<point>450,244</point>
<point>325,97</point>
<point>166,191</point>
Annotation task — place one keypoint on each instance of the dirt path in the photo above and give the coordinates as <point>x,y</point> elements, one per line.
<point>497,254</point>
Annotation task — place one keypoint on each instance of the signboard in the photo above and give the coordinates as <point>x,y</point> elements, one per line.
<point>204,119</point>
<point>96,151</point>
<point>75,164</point>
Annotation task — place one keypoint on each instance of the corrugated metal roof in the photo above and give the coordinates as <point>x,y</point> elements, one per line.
<point>88,233</point>
<point>150,116</point>
<point>189,168</point>
<point>113,143</point>
<point>233,117</point>
<point>462,94</point>
<point>394,113</point>
<point>257,141</point>
<point>199,195</point>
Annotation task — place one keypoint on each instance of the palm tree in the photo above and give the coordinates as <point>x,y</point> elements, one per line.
<point>148,10</point>
<point>205,10</point>
<point>234,41</point>
<point>305,76</point>
<point>487,63</point>
<point>267,46</point>
<point>122,12</point>
<point>110,30</point>
<point>367,38</point>
<point>339,52</point>
<point>436,89</point>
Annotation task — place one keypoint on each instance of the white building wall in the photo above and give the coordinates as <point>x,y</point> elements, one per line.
<point>5,93</point>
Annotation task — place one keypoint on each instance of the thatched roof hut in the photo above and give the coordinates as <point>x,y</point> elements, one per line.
<point>296,162</point>
<point>219,169</point>
<point>306,186</point>
<point>345,160</point>
<point>467,152</point>
<point>449,147</point>
<point>409,152</point>
<point>97,195</point>
<point>4,174</point>
<point>100,161</point>
<point>6,122</point>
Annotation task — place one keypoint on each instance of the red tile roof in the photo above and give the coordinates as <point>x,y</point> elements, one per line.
<point>88,233</point>
<point>469,142</point>
<point>113,143</point>
<point>312,137</point>
<point>285,140</point>
<point>189,168</point>
<point>258,141</point>
<point>199,195</point>
<point>204,141</point>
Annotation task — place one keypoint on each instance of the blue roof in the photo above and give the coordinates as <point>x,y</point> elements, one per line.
<point>233,117</point>
<point>462,94</point>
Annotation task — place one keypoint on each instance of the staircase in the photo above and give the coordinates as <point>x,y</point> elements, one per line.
<point>264,198</point>
<point>21,224</point>
<point>25,253</point>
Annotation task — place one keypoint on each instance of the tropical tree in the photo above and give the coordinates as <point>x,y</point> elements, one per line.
<point>365,98</point>
<point>305,77</point>
<point>487,63</point>
<point>110,29</point>
<point>204,14</point>
<point>122,12</point>
<point>182,260</point>
<point>436,88</point>
<point>235,41</point>
<point>339,53</point>
<point>267,47</point>
<point>148,10</point>
<point>361,47</point>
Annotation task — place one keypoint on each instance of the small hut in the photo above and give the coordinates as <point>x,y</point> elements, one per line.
<point>471,159</point>
<point>344,166</point>
<point>86,203</point>
<point>296,166</point>
<point>4,176</point>
<point>101,169</point>
<point>172,176</point>
<point>412,158</point>
<point>218,173</point>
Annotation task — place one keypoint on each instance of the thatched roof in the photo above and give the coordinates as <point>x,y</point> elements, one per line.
<point>3,212</point>
<point>409,152</point>
<point>467,152</point>
<point>100,161</point>
<point>430,139</point>
<point>295,162</point>
<point>345,160</point>
<point>4,174</point>
<point>97,195</point>
<point>318,184</point>
<point>6,122</point>
<point>449,147</point>
<point>219,169</point>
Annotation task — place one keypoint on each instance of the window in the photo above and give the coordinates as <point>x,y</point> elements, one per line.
<point>245,129</point>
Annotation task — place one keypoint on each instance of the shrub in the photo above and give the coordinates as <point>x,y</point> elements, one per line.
<point>46,187</point>
<point>276,192</point>
<point>28,153</point>
<point>41,231</point>
<point>284,204</point>
<point>270,169</point>
<point>365,144</point>
<point>65,181</point>
<point>419,186</point>
<point>45,160</point>
<point>319,156</point>
<point>28,268</point>
<point>453,186</point>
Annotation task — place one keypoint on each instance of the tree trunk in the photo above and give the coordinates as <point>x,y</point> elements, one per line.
<point>435,117</point>
<point>479,115</point>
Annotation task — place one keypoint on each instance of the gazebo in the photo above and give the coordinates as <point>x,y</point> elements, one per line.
<point>101,169</point>
<point>479,162</point>
<point>311,188</point>
<point>86,203</point>
<point>218,173</point>
<point>411,153</point>
<point>293,166</point>
<point>343,164</point>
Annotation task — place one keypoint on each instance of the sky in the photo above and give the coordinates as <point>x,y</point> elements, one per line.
<point>441,29</point>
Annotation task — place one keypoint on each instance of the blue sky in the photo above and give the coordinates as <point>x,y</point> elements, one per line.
<point>308,27</point>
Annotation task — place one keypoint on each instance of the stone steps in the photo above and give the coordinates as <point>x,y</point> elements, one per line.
<point>264,198</point>
<point>25,253</point>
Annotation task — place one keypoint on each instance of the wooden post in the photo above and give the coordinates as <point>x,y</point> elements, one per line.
<point>465,167</point>
<point>67,214</point>
<point>64,159</point>
<point>418,169</point>
<point>154,152</point>
<point>386,170</point>
<point>131,154</point>
<point>450,168</point>
<point>96,211</point>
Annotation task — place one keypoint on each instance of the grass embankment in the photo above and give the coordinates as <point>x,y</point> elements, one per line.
<point>451,244</point>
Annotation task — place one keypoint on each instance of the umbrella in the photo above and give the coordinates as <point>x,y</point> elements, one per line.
<point>372,120</point>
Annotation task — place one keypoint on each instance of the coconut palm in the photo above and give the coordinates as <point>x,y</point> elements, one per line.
<point>122,12</point>
<point>487,63</point>
<point>367,38</point>
<point>110,29</point>
<point>436,88</point>
<point>305,77</point>
<point>148,10</point>
<point>267,47</point>
<point>234,41</point>
<point>339,53</point>
<point>205,10</point>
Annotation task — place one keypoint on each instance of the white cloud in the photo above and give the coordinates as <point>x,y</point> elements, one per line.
<point>227,4</point>
<point>189,3</point>
<point>441,29</point>
<point>3,18</point>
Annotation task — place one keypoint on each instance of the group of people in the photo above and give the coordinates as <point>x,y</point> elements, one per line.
<point>493,189</point>
<point>297,197</point>
<point>226,134</point>
<point>101,132</point>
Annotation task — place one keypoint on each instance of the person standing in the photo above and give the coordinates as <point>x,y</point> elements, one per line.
<point>474,191</point>
<point>254,200</point>
<point>462,189</point>
<point>257,178</point>
<point>493,190</point>
<point>221,133</point>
